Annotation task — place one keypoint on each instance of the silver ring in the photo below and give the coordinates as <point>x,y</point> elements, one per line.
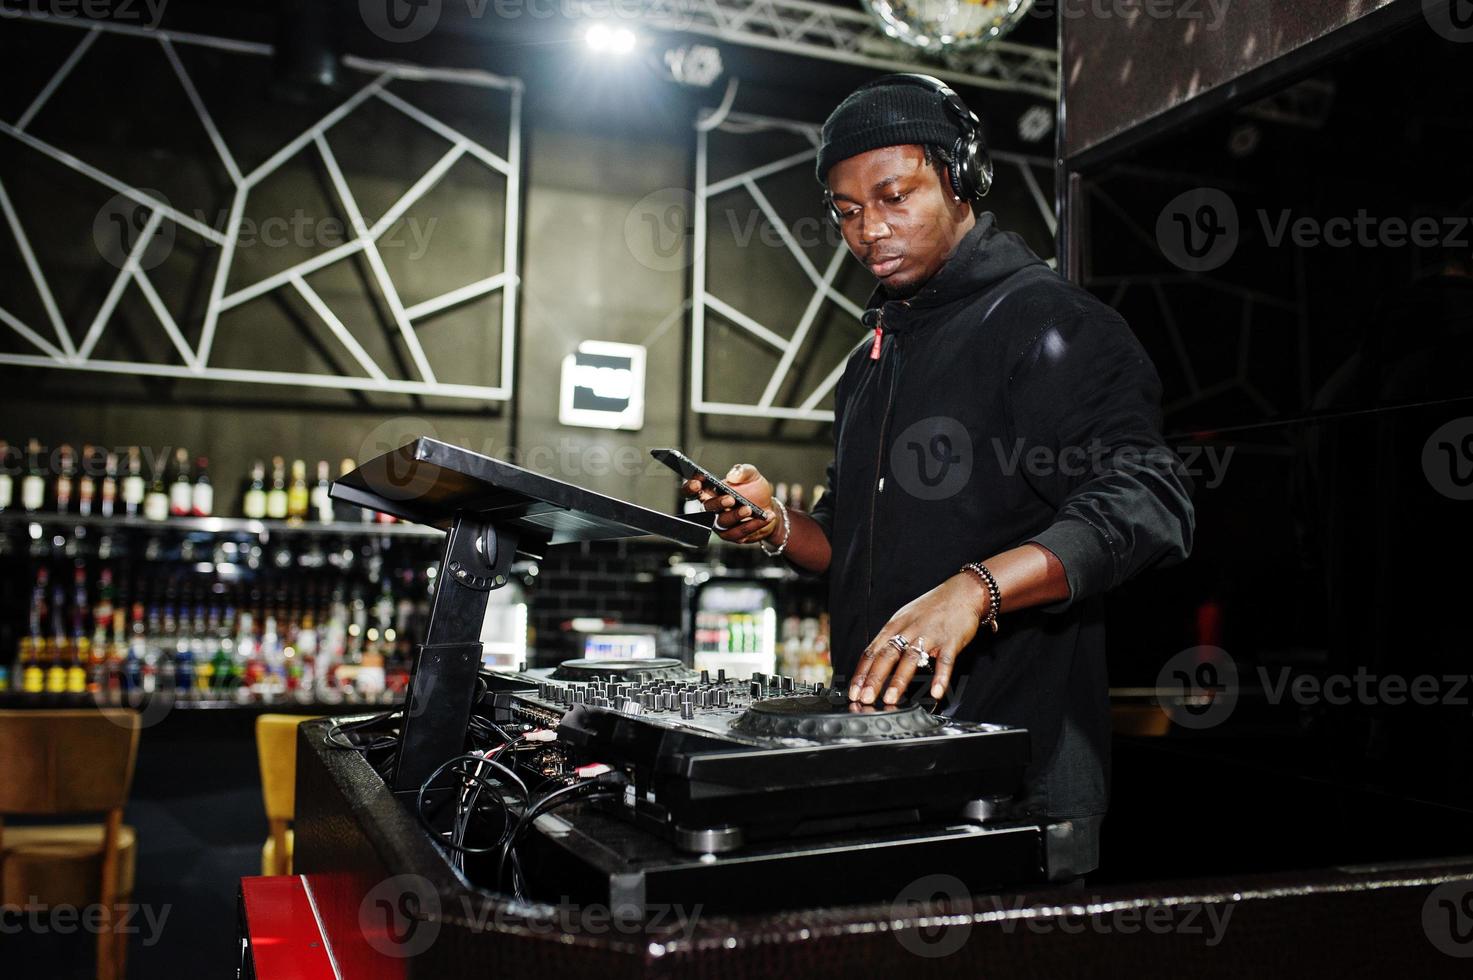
<point>923,657</point>
<point>899,642</point>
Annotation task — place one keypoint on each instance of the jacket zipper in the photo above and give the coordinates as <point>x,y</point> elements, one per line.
<point>879,455</point>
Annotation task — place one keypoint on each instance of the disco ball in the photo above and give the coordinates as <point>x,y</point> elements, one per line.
<point>935,25</point>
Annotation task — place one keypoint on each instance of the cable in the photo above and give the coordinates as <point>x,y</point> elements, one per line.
<point>480,781</point>
<point>335,732</point>
<point>601,784</point>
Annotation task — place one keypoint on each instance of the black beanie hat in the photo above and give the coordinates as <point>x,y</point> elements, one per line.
<point>893,114</point>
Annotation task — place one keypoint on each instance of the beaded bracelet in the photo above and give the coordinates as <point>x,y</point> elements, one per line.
<point>994,593</point>
<point>788,532</point>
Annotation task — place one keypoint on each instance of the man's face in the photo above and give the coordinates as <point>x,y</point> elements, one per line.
<point>896,216</point>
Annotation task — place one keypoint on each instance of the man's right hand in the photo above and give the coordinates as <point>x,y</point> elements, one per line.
<point>736,524</point>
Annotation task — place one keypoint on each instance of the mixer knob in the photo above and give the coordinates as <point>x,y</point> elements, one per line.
<point>721,675</point>
<point>788,685</point>
<point>759,678</point>
<point>687,711</point>
<point>705,677</point>
<point>756,689</point>
<point>723,699</point>
<point>522,667</point>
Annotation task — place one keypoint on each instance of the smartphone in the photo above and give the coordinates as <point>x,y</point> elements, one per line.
<point>690,469</point>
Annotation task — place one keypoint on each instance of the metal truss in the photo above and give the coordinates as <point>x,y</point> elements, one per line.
<point>819,30</point>
<point>67,354</point>
<point>702,299</point>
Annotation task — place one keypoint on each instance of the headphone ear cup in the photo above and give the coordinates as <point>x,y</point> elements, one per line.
<point>832,210</point>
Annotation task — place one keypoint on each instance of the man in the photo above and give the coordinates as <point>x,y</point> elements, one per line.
<point>1000,416</point>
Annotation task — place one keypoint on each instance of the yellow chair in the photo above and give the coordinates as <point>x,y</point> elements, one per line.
<point>276,747</point>
<point>54,763</point>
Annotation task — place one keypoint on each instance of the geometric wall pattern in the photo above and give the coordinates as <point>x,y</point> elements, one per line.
<point>70,345</point>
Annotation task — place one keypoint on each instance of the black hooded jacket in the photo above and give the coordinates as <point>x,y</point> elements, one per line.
<point>1005,405</point>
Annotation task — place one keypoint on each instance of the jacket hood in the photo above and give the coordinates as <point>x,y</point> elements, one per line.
<point>983,258</point>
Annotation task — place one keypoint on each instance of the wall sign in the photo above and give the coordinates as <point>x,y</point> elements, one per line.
<point>603,386</point>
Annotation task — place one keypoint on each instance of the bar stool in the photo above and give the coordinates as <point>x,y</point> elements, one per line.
<point>276,748</point>
<point>59,763</point>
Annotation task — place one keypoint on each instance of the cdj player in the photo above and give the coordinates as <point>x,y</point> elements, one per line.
<point>727,783</point>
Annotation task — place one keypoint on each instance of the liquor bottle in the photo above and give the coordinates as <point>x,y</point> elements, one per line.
<point>66,479</point>
<point>137,652</point>
<point>58,652</point>
<point>322,505</point>
<point>86,485</point>
<point>133,487</point>
<point>276,498</point>
<point>156,502</point>
<point>202,496</point>
<point>108,491</point>
<point>117,656</point>
<point>222,664</point>
<point>7,481</point>
<point>28,666</point>
<point>33,484</point>
<point>253,504</point>
<point>181,492</point>
<point>298,497</point>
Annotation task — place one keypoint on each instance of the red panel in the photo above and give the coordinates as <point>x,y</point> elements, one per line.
<point>285,940</point>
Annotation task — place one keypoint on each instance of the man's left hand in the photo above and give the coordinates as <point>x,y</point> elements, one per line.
<point>943,622</point>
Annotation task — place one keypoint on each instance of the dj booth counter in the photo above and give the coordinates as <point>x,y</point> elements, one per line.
<point>387,902</point>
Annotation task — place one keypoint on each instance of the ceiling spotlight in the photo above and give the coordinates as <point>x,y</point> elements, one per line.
<point>614,40</point>
<point>698,64</point>
<point>1035,124</point>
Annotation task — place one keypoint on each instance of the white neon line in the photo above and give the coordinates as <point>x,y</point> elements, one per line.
<point>58,78</point>
<point>166,319</point>
<point>447,132</point>
<point>55,355</point>
<point>456,297</point>
<point>419,73</point>
<point>313,132</point>
<point>753,412</point>
<point>510,239</point>
<point>181,37</point>
<point>420,189</point>
<point>133,193</point>
<point>263,286</point>
<point>742,320</point>
<point>332,958</point>
<point>263,377</point>
<point>199,110</point>
<point>698,279</point>
<point>336,326</point>
<point>125,275</point>
<point>37,276</point>
<point>222,273</point>
<point>785,234</point>
<point>1043,206</point>
<point>375,261</point>
<point>758,173</point>
<point>801,334</point>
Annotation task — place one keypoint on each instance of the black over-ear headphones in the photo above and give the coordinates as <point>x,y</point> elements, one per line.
<point>971,166</point>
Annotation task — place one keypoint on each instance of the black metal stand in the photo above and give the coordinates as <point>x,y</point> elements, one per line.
<point>442,687</point>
